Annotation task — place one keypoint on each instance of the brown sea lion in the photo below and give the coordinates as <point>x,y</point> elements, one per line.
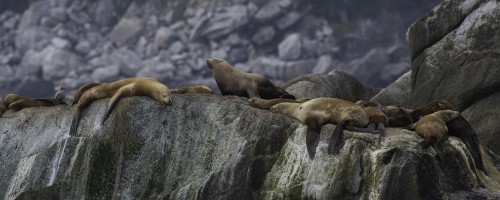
<point>82,89</point>
<point>122,88</point>
<point>458,127</point>
<point>266,104</point>
<point>17,102</point>
<point>378,119</point>
<point>29,103</point>
<point>232,81</point>
<point>3,108</point>
<point>320,111</point>
<point>430,108</point>
<point>433,128</point>
<point>398,116</point>
<point>192,89</point>
<point>11,98</point>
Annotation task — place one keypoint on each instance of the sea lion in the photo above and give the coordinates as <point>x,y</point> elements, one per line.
<point>11,98</point>
<point>377,119</point>
<point>232,81</point>
<point>458,127</point>
<point>3,108</point>
<point>82,89</point>
<point>320,111</point>
<point>430,108</point>
<point>398,116</point>
<point>29,103</point>
<point>192,89</point>
<point>433,128</point>
<point>122,88</point>
<point>266,104</point>
<point>17,102</point>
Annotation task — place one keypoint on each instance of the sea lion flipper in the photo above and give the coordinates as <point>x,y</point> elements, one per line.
<point>123,91</point>
<point>334,140</point>
<point>75,121</point>
<point>312,141</point>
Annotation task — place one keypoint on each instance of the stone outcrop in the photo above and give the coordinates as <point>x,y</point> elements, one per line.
<point>212,147</point>
<point>443,70</point>
<point>338,84</point>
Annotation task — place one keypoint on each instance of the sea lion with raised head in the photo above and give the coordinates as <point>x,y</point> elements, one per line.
<point>266,104</point>
<point>378,119</point>
<point>116,90</point>
<point>320,111</point>
<point>433,128</point>
<point>192,89</point>
<point>232,81</point>
<point>398,116</point>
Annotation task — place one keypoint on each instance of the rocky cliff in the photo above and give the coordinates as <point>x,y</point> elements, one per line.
<point>214,147</point>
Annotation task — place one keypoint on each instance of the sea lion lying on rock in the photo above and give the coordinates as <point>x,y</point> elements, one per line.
<point>116,90</point>
<point>320,111</point>
<point>458,127</point>
<point>433,128</point>
<point>266,104</point>
<point>193,89</point>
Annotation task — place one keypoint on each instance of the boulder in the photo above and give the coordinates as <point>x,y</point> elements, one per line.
<point>396,93</point>
<point>128,61</point>
<point>57,63</point>
<point>337,85</point>
<point>224,22</point>
<point>207,146</point>
<point>32,16</point>
<point>32,37</point>
<point>106,74</point>
<point>458,67</point>
<point>263,35</point>
<point>290,48</point>
<point>438,23</point>
<point>126,32</point>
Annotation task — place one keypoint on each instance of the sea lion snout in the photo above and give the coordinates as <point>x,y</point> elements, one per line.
<point>211,61</point>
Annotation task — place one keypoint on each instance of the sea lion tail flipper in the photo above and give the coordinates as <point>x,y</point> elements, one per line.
<point>123,91</point>
<point>472,144</point>
<point>312,141</point>
<point>74,123</point>
<point>411,127</point>
<point>336,136</point>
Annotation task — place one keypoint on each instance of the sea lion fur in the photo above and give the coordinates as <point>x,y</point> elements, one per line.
<point>433,128</point>
<point>232,81</point>
<point>116,90</point>
<point>193,89</point>
<point>266,104</point>
<point>320,111</point>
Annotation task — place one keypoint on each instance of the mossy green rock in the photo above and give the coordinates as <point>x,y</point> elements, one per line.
<point>212,147</point>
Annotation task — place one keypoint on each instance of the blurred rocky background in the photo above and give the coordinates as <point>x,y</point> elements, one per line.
<point>45,44</point>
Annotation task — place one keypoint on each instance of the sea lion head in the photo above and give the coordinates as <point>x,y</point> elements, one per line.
<point>285,108</point>
<point>163,94</point>
<point>216,62</point>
